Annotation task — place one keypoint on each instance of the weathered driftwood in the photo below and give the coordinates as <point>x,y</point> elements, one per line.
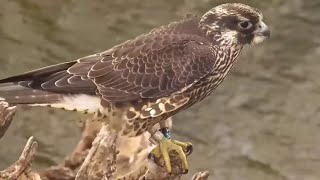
<point>100,154</point>
<point>100,163</point>
<point>6,116</point>
<point>203,175</point>
<point>21,170</point>
<point>89,133</point>
<point>58,173</point>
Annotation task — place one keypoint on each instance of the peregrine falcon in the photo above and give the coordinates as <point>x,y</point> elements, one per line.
<point>146,80</point>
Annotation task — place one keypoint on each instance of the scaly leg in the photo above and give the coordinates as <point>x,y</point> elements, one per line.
<point>166,144</point>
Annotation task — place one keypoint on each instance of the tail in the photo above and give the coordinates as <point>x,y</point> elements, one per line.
<point>56,86</point>
<point>26,88</point>
<point>15,94</point>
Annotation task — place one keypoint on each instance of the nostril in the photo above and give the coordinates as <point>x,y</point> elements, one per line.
<point>259,26</point>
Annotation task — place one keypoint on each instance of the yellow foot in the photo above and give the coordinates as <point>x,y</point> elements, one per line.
<point>166,145</point>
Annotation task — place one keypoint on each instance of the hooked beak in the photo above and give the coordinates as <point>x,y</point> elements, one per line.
<point>262,33</point>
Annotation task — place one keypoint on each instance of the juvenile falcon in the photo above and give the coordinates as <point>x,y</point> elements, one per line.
<point>146,80</point>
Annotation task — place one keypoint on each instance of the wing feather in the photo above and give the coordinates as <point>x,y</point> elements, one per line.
<point>152,66</point>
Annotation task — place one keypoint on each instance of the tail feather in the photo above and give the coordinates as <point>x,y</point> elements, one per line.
<point>54,86</point>
<point>39,86</point>
<point>15,94</point>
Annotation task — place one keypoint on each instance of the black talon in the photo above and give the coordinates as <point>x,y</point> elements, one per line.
<point>189,150</point>
<point>151,156</point>
<point>185,171</point>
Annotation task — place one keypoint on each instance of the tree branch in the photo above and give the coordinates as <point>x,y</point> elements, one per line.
<point>97,155</point>
<point>203,175</point>
<point>6,116</point>
<point>21,170</point>
<point>101,160</point>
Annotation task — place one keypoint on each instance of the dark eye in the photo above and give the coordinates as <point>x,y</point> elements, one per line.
<point>245,24</point>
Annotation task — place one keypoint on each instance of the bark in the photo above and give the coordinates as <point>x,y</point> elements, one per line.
<point>100,155</point>
<point>21,170</point>
<point>100,163</point>
<point>6,116</point>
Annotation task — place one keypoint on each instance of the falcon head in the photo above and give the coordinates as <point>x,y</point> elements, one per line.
<point>235,23</point>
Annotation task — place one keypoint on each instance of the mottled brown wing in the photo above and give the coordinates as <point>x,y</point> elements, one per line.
<point>164,61</point>
<point>152,66</point>
<point>57,78</point>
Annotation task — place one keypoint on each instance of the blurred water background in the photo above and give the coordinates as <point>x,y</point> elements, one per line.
<point>263,122</point>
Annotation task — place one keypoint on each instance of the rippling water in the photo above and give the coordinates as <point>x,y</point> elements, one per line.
<point>262,123</point>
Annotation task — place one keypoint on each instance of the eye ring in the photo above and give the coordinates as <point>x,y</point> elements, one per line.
<point>245,24</point>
